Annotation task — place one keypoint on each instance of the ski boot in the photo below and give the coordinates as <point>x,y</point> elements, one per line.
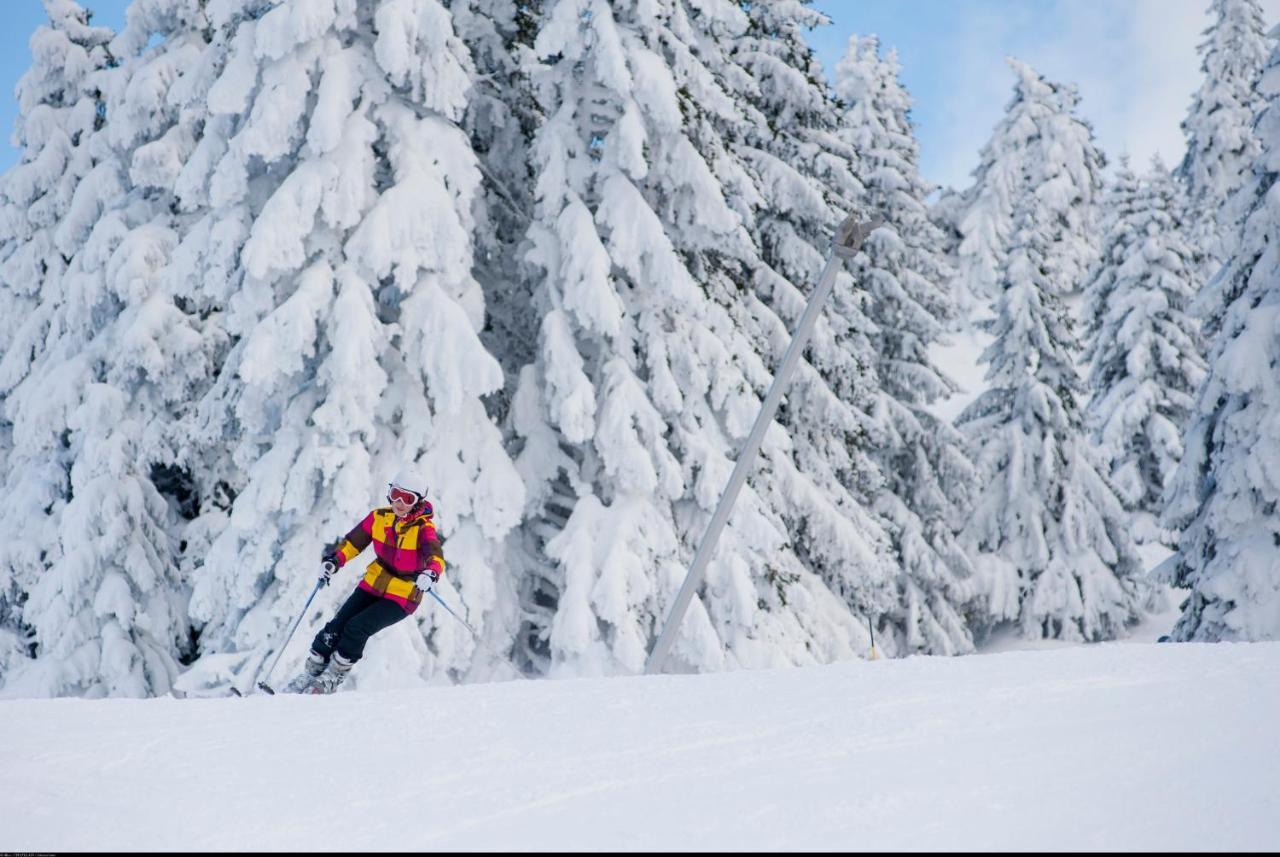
<point>332,678</point>
<point>311,671</point>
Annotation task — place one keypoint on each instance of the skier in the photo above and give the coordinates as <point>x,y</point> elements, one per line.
<point>408,562</point>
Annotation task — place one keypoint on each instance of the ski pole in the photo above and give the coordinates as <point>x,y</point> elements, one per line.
<point>320,583</point>
<point>479,642</point>
<point>874,655</point>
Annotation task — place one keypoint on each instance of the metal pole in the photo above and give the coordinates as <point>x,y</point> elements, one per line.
<point>849,238</point>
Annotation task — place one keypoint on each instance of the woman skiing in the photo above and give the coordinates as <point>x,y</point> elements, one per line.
<point>408,561</point>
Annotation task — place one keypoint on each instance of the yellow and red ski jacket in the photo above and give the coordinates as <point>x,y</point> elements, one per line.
<point>402,548</point>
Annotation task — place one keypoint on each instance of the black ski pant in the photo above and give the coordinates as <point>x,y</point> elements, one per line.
<point>362,616</point>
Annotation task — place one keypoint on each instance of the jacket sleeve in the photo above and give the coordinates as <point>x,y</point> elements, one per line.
<point>360,537</point>
<point>430,552</point>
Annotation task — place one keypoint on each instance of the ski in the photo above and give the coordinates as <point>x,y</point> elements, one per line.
<point>265,688</point>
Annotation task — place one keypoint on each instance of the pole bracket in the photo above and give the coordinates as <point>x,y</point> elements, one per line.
<point>851,234</point>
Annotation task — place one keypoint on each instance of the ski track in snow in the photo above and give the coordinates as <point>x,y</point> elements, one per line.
<point>1113,746</point>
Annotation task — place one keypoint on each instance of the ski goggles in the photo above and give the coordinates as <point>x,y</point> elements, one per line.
<point>400,495</point>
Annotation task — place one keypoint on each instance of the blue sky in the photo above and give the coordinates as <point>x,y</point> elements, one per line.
<point>1134,61</point>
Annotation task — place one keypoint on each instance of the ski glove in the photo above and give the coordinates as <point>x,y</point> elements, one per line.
<point>328,566</point>
<point>427,579</point>
<point>330,552</point>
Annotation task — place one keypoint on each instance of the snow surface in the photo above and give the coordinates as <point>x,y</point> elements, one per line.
<point>1103,747</point>
<point>958,358</point>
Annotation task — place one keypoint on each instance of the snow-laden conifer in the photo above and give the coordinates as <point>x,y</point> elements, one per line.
<point>329,198</point>
<point>1143,347</point>
<point>59,105</point>
<point>92,411</point>
<point>1222,145</point>
<point>791,178</point>
<point>1224,494</point>
<point>649,373</point>
<point>1047,531</point>
<point>927,470</point>
<point>1041,144</point>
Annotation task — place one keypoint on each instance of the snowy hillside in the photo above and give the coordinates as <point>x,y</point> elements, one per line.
<point>1110,746</point>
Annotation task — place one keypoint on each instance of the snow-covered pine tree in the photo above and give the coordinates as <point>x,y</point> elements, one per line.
<point>927,470</point>
<point>1048,533</point>
<point>1038,143</point>
<point>1222,145</point>
<point>647,378</point>
<point>789,176</point>
<point>330,200</point>
<point>1142,346</point>
<point>109,606</point>
<point>59,106</point>
<point>1224,493</point>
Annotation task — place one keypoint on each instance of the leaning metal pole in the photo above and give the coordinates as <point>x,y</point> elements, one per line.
<point>848,241</point>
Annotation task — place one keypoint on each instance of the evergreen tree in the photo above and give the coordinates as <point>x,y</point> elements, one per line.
<point>791,181</point>
<point>328,210</point>
<point>649,373</point>
<point>1143,347</point>
<point>109,606</point>
<point>1221,142</point>
<point>59,106</point>
<point>1224,493</point>
<point>1047,529</point>
<point>927,470</point>
<point>1038,144</point>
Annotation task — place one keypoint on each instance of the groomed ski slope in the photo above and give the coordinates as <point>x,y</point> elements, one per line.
<point>1139,746</point>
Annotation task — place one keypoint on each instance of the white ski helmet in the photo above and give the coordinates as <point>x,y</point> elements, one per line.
<point>410,479</point>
